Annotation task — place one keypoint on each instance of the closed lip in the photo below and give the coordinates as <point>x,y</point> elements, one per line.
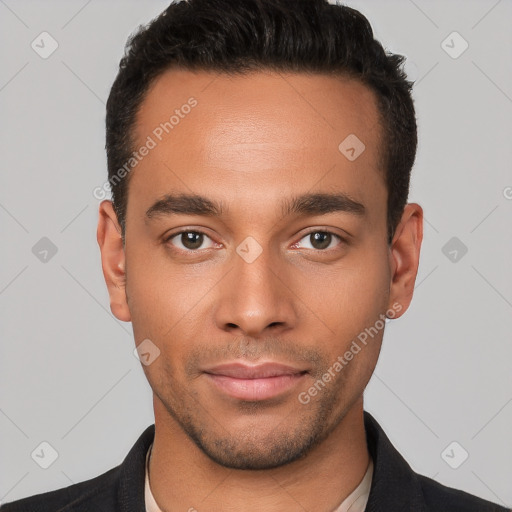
<point>260,382</point>
<point>259,371</point>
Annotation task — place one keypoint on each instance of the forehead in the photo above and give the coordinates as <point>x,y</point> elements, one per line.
<point>256,136</point>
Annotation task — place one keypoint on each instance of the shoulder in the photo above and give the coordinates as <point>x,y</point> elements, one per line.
<point>395,486</point>
<point>440,498</point>
<point>98,493</point>
<point>119,488</point>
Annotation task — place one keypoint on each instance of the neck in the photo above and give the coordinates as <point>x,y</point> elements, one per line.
<point>182,477</point>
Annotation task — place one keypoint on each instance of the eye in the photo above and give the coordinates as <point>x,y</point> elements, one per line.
<point>320,240</point>
<point>189,241</point>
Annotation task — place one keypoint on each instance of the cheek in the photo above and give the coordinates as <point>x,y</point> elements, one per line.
<point>167,302</point>
<point>351,296</point>
<point>152,283</point>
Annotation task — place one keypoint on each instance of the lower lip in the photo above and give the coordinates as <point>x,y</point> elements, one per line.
<point>255,389</point>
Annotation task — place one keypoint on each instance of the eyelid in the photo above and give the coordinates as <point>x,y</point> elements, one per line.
<point>167,238</point>
<point>343,240</point>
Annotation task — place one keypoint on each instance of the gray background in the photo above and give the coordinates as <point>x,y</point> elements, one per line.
<point>68,375</point>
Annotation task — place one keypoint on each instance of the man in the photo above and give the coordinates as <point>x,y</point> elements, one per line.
<point>259,154</point>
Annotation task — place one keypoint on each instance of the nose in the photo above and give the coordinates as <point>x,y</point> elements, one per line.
<point>256,297</point>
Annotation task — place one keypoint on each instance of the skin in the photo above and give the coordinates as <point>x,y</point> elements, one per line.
<point>251,142</point>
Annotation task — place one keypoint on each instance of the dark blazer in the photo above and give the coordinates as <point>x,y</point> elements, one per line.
<point>395,486</point>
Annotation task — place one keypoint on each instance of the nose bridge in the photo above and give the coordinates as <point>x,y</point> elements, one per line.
<point>253,297</point>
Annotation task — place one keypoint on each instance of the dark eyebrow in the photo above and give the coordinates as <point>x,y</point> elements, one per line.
<point>185,204</point>
<point>307,204</point>
<point>321,204</point>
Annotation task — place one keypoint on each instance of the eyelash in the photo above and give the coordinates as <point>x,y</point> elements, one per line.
<point>325,231</point>
<point>342,240</point>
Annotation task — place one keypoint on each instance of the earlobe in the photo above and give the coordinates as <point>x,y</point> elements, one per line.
<point>404,257</point>
<point>113,260</point>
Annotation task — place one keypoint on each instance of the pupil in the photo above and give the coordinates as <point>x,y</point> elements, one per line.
<point>323,238</point>
<point>188,240</point>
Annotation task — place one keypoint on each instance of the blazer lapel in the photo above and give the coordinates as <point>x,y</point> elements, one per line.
<point>132,474</point>
<point>395,485</point>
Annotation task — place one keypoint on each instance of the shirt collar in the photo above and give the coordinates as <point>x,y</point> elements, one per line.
<point>394,484</point>
<point>355,502</point>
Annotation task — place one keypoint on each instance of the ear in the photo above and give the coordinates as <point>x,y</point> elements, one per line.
<point>404,257</point>
<point>113,260</point>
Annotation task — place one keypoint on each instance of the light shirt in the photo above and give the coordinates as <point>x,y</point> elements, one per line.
<point>355,502</point>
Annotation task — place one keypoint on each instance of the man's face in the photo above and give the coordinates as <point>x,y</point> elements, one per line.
<point>255,287</point>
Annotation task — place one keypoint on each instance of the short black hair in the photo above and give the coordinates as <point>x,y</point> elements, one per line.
<point>239,36</point>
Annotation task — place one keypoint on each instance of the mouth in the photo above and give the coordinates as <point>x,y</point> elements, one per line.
<point>254,383</point>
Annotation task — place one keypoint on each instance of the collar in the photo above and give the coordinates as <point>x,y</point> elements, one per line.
<point>354,502</point>
<point>394,485</point>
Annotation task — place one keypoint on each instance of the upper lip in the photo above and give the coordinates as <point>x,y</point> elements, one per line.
<point>260,371</point>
